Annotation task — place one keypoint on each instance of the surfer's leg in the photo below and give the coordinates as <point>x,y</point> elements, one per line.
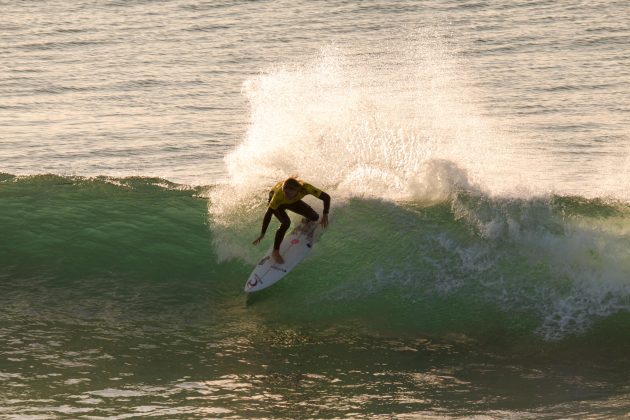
<point>303,209</point>
<point>285,223</point>
<point>309,219</point>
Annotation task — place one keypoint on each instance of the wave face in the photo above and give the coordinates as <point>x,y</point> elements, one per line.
<point>75,227</point>
<point>544,267</point>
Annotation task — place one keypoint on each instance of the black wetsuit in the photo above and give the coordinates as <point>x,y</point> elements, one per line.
<point>299,207</point>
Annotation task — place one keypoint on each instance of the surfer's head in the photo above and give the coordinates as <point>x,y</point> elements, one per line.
<point>291,187</point>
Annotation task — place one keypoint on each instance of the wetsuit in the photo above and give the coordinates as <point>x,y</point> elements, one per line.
<point>278,204</point>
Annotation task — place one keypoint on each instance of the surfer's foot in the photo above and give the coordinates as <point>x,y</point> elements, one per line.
<point>277,257</point>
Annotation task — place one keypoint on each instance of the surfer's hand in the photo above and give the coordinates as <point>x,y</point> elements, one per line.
<point>257,240</point>
<point>324,221</point>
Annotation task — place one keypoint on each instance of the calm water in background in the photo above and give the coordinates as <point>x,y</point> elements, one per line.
<point>486,141</point>
<point>154,88</point>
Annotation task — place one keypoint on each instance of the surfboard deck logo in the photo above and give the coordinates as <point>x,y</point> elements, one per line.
<point>254,280</point>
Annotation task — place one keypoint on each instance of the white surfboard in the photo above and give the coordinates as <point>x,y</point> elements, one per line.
<point>294,248</point>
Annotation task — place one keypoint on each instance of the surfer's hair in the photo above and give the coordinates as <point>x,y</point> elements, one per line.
<point>292,183</point>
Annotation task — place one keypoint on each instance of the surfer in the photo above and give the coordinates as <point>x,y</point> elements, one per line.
<point>287,195</point>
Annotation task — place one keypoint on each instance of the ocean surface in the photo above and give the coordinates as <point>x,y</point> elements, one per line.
<point>477,263</point>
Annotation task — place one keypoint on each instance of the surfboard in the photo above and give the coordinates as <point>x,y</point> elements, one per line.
<point>294,248</point>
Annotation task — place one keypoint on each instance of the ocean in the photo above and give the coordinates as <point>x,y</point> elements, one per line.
<point>477,263</point>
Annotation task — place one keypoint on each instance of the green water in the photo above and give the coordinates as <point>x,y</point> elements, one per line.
<point>114,303</point>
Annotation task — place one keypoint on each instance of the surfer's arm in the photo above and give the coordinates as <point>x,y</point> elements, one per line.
<point>326,199</point>
<point>309,189</point>
<point>266,221</point>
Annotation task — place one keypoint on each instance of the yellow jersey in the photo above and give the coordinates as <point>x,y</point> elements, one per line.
<point>277,198</point>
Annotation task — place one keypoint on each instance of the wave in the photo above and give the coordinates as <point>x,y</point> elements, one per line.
<point>546,266</point>
<point>443,221</point>
<point>75,226</point>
